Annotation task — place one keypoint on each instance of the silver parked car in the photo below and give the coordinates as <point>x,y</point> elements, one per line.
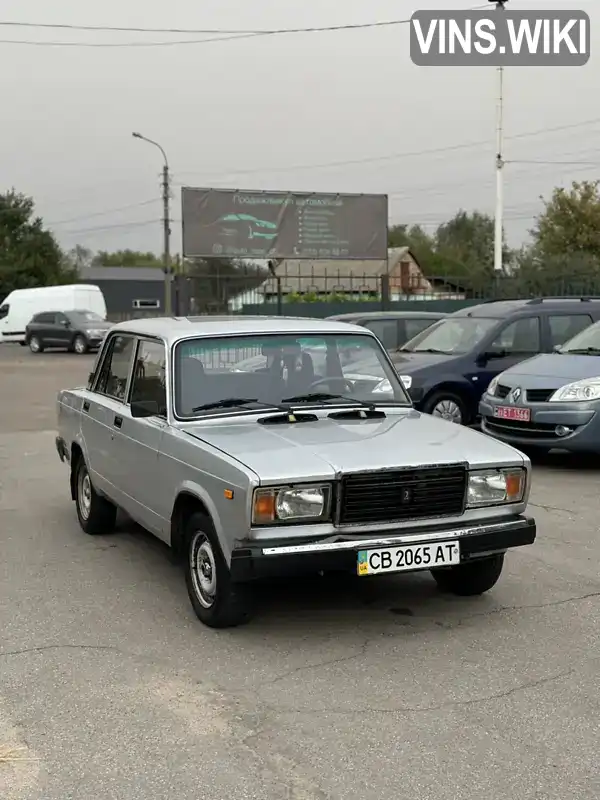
<point>289,469</point>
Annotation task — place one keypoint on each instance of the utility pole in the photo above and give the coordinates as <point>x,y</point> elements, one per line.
<point>166,198</point>
<point>499,214</point>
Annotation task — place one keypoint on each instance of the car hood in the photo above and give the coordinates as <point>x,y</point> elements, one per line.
<point>407,363</point>
<point>552,370</point>
<point>322,449</point>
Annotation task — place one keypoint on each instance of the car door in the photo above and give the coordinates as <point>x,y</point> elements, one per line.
<point>41,326</point>
<point>514,342</point>
<point>148,498</point>
<point>103,415</point>
<point>62,330</point>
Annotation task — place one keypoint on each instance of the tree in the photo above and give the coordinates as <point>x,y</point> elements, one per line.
<point>126,258</point>
<point>570,222</point>
<point>216,281</point>
<point>29,254</point>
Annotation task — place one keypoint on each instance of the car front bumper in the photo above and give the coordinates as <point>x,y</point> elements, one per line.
<point>581,419</point>
<point>286,557</point>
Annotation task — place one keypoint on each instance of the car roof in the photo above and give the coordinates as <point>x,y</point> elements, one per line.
<point>504,308</point>
<point>173,329</point>
<point>395,314</point>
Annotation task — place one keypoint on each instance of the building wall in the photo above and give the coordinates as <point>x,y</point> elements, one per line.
<point>121,294</point>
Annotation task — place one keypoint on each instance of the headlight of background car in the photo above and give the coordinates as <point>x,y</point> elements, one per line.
<point>578,392</point>
<point>291,504</point>
<point>407,381</point>
<point>492,487</point>
<point>491,390</point>
<point>383,387</point>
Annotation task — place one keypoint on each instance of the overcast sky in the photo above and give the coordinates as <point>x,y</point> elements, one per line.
<point>272,113</point>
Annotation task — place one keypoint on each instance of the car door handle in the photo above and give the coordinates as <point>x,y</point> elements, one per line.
<point>118,421</point>
<point>86,405</point>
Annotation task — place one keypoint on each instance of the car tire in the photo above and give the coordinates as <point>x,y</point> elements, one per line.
<point>217,601</point>
<point>447,405</point>
<point>96,514</point>
<point>80,345</point>
<point>470,579</point>
<point>35,344</point>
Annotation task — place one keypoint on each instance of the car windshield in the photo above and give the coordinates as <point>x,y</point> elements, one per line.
<point>451,336</point>
<point>85,316</point>
<point>254,372</point>
<point>588,341</point>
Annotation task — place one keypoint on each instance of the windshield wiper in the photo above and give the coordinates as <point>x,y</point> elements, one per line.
<point>582,351</point>
<point>239,402</point>
<point>317,397</point>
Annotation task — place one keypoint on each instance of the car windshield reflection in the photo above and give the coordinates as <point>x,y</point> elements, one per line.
<point>270,369</point>
<point>450,336</point>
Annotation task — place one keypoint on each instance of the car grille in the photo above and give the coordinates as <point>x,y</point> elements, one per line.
<point>402,494</point>
<point>539,395</point>
<point>525,430</point>
<point>502,391</point>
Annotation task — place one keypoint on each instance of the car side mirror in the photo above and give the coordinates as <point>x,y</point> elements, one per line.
<point>144,408</point>
<point>65,323</point>
<point>482,359</point>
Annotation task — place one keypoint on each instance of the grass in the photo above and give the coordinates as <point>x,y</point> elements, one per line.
<point>11,755</point>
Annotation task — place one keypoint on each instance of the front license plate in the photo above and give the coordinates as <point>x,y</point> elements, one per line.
<point>510,412</point>
<point>408,557</point>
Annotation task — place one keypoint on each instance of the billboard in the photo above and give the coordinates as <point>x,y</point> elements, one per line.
<point>231,223</point>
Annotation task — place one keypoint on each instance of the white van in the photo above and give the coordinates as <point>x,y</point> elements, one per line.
<point>18,308</point>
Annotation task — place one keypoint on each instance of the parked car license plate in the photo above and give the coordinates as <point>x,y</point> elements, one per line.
<point>510,412</point>
<point>408,557</point>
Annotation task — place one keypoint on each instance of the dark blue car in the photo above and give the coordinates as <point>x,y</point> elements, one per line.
<point>449,366</point>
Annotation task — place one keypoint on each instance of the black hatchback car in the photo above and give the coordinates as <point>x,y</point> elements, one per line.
<point>449,366</point>
<point>78,331</point>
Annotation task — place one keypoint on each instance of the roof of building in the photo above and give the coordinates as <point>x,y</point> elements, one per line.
<point>173,329</point>
<point>121,274</point>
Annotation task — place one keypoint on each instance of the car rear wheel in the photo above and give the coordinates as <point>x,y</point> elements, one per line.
<point>96,514</point>
<point>35,344</point>
<point>80,345</point>
<point>468,580</point>
<point>448,406</point>
<point>217,601</point>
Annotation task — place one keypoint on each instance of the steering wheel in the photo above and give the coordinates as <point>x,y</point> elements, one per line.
<point>331,382</point>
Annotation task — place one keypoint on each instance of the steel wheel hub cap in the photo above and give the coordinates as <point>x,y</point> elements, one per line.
<point>203,570</point>
<point>448,410</point>
<point>85,495</point>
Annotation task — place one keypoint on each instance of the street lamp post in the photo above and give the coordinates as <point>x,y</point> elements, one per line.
<point>499,213</point>
<point>166,197</point>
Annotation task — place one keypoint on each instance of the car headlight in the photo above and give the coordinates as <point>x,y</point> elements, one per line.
<point>578,392</point>
<point>492,487</point>
<point>407,381</point>
<point>491,390</point>
<point>96,334</point>
<point>290,504</point>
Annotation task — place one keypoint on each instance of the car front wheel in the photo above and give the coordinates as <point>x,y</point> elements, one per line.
<point>217,601</point>
<point>80,345</point>
<point>35,344</point>
<point>448,406</point>
<point>96,514</point>
<point>473,578</point>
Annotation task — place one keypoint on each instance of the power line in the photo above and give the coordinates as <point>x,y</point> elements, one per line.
<point>111,227</point>
<point>413,154</point>
<point>221,34</point>
<point>103,213</point>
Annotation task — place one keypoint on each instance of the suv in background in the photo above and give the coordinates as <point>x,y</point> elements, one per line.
<point>76,331</point>
<point>449,366</point>
<point>392,328</point>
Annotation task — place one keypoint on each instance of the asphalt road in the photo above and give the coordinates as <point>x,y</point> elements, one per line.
<point>383,690</point>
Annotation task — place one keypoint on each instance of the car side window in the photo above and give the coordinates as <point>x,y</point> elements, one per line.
<point>114,373</point>
<point>566,326</point>
<point>386,331</point>
<point>60,319</point>
<point>44,319</point>
<point>414,326</point>
<point>4,311</point>
<point>149,376</point>
<point>519,337</point>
